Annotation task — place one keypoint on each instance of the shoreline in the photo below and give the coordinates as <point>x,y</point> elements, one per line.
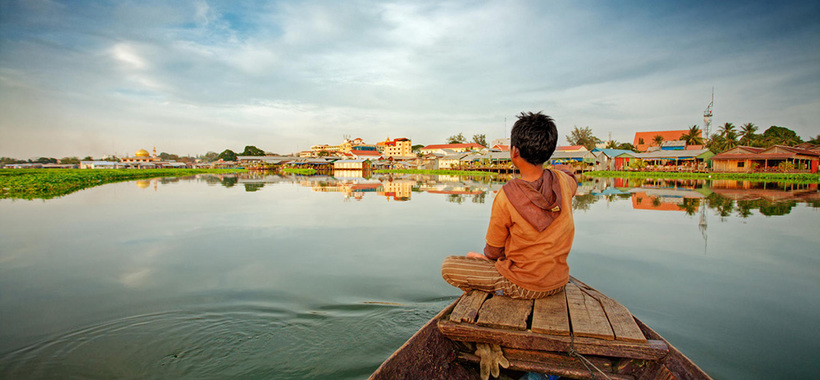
<point>434,172</point>
<point>755,177</point>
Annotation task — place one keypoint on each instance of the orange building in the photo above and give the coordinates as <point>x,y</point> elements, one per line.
<point>400,147</point>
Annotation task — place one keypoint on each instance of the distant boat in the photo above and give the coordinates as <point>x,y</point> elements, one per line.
<point>578,333</point>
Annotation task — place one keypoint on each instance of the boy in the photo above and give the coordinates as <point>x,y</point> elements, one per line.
<point>531,225</point>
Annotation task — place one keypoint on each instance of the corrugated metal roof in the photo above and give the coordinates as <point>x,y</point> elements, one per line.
<point>612,152</point>
<point>455,156</point>
<point>360,160</point>
<point>572,154</point>
<point>493,156</point>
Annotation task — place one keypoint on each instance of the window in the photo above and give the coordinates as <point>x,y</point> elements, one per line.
<point>640,141</point>
<point>741,164</point>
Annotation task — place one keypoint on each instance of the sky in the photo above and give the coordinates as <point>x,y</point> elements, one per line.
<point>97,78</point>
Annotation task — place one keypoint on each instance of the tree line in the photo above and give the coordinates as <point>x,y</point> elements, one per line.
<point>226,155</point>
<point>727,136</point>
<point>479,139</point>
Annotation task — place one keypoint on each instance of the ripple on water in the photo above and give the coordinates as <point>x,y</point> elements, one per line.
<point>247,340</point>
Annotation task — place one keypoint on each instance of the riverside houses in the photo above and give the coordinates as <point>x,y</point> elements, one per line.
<point>358,164</point>
<point>451,161</point>
<point>605,158</point>
<point>667,160</point>
<point>746,159</point>
<point>101,165</point>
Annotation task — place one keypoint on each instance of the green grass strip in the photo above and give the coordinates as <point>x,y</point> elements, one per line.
<point>304,171</point>
<point>758,177</point>
<point>434,172</point>
<point>52,183</point>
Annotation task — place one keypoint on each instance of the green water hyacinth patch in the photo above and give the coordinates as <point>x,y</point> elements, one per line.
<point>299,171</point>
<point>52,183</point>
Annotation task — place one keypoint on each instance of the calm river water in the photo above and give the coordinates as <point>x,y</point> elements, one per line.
<point>275,277</point>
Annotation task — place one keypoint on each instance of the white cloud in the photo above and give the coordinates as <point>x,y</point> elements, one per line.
<point>125,53</point>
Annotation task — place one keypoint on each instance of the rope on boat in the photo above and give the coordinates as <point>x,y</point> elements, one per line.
<point>584,360</point>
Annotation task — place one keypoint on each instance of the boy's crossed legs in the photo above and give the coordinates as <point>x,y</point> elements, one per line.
<point>480,273</point>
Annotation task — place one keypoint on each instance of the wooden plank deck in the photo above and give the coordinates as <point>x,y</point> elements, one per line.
<point>579,318</point>
<point>550,315</point>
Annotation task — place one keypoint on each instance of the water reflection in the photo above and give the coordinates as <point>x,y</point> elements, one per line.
<point>354,185</point>
<point>723,197</point>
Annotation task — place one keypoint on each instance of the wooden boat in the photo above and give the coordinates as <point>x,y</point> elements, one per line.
<point>578,333</point>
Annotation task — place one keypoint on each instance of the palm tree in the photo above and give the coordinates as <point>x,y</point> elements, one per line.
<point>747,133</point>
<point>727,131</point>
<point>693,136</point>
<point>658,140</point>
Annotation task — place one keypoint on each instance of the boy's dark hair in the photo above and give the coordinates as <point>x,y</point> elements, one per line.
<point>535,137</point>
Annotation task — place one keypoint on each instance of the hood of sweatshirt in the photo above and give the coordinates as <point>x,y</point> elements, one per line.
<point>538,202</point>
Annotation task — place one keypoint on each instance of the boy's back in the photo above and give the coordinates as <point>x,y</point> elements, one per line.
<point>531,226</point>
<point>536,240</point>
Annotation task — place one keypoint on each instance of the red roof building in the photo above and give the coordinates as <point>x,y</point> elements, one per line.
<point>571,148</point>
<point>365,153</point>
<point>643,140</point>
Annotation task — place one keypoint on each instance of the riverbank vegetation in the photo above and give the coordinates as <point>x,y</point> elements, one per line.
<point>435,172</point>
<point>759,177</point>
<point>52,183</point>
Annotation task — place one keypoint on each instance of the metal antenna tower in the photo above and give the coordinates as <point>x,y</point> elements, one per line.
<point>707,115</point>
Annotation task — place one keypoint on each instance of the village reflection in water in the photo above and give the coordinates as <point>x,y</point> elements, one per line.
<point>723,197</point>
